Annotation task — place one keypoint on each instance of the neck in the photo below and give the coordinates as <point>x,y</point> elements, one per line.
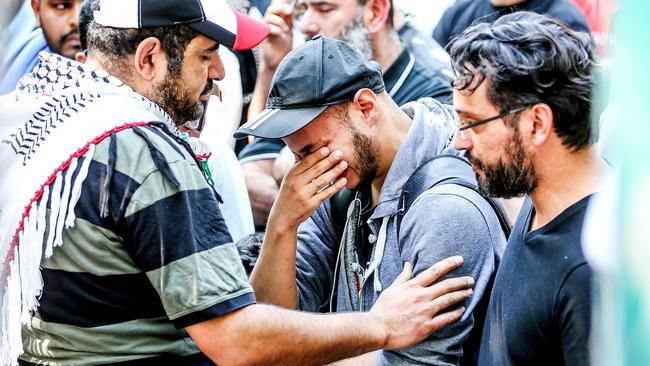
<point>116,69</point>
<point>393,130</point>
<point>504,3</point>
<point>565,180</point>
<point>386,48</point>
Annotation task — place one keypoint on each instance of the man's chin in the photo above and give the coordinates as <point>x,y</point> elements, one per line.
<point>68,51</point>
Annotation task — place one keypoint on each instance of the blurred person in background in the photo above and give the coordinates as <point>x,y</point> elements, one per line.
<point>464,13</point>
<point>57,23</point>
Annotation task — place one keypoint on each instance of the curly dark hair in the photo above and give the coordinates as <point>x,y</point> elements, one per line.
<point>531,58</point>
<point>116,43</point>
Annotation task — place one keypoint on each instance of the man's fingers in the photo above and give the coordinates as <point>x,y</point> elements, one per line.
<point>282,10</point>
<point>431,274</point>
<point>328,176</point>
<point>310,160</point>
<point>450,285</point>
<point>407,273</point>
<point>443,302</point>
<point>442,320</point>
<point>274,30</point>
<point>278,21</point>
<point>317,163</point>
<point>279,7</point>
<point>331,190</point>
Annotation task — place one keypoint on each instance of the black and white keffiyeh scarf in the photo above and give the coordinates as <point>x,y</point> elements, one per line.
<point>57,114</point>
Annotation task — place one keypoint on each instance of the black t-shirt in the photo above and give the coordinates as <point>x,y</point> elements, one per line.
<point>464,13</point>
<point>427,51</point>
<point>540,307</point>
<point>409,78</point>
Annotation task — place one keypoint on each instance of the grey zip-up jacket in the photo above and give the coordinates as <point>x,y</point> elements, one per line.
<point>444,221</point>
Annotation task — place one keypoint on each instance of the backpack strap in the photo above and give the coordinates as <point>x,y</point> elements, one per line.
<point>445,169</point>
<point>339,204</point>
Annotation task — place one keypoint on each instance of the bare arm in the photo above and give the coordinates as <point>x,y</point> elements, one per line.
<point>262,188</point>
<point>404,314</point>
<point>274,275</point>
<point>366,359</point>
<point>265,335</point>
<point>278,17</point>
<point>262,86</point>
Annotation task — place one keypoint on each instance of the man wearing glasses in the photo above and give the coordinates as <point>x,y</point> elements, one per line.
<point>523,95</point>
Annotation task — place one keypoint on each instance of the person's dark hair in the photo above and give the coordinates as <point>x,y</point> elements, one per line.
<point>116,44</point>
<point>86,16</point>
<point>531,58</point>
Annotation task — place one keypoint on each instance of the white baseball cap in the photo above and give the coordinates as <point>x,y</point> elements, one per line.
<point>214,19</point>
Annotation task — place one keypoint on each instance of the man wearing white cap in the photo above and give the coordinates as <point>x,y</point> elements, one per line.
<point>113,247</point>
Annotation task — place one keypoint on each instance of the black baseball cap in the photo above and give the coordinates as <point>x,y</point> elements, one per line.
<point>214,19</point>
<point>321,72</point>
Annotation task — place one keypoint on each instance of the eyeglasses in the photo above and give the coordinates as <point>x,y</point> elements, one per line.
<point>462,126</point>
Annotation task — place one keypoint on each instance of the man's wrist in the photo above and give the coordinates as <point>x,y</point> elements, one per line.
<point>378,331</point>
<point>266,69</point>
<point>279,229</point>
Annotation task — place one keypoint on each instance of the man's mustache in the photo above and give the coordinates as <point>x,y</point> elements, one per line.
<point>212,88</point>
<point>65,37</point>
<point>208,87</point>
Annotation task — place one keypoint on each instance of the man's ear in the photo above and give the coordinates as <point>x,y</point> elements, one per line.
<point>365,102</point>
<point>376,14</point>
<point>80,57</point>
<point>150,60</point>
<point>542,123</point>
<point>36,7</point>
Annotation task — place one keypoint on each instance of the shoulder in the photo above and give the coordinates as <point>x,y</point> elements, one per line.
<point>424,81</point>
<point>449,207</point>
<point>570,14</point>
<point>459,7</point>
<point>138,147</point>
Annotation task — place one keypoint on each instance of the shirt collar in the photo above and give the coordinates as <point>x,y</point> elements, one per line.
<point>397,72</point>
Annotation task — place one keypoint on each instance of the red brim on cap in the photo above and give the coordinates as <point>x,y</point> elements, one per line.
<point>250,32</point>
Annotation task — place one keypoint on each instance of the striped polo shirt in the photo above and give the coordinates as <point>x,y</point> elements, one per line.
<point>122,288</point>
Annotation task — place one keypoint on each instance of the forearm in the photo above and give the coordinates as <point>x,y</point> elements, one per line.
<point>266,335</point>
<point>366,359</point>
<point>274,275</point>
<point>261,91</point>
<point>262,189</point>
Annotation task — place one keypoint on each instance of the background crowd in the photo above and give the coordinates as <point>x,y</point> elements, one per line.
<point>408,50</point>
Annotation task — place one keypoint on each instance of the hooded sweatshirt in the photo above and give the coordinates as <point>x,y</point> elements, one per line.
<point>444,221</point>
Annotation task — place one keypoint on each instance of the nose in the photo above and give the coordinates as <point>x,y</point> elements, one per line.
<point>216,70</point>
<point>462,141</point>
<point>308,24</point>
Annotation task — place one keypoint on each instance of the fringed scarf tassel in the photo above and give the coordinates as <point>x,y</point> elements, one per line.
<point>158,159</point>
<point>110,169</point>
<point>24,281</point>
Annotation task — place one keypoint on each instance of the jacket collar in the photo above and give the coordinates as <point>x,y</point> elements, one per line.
<point>431,134</point>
